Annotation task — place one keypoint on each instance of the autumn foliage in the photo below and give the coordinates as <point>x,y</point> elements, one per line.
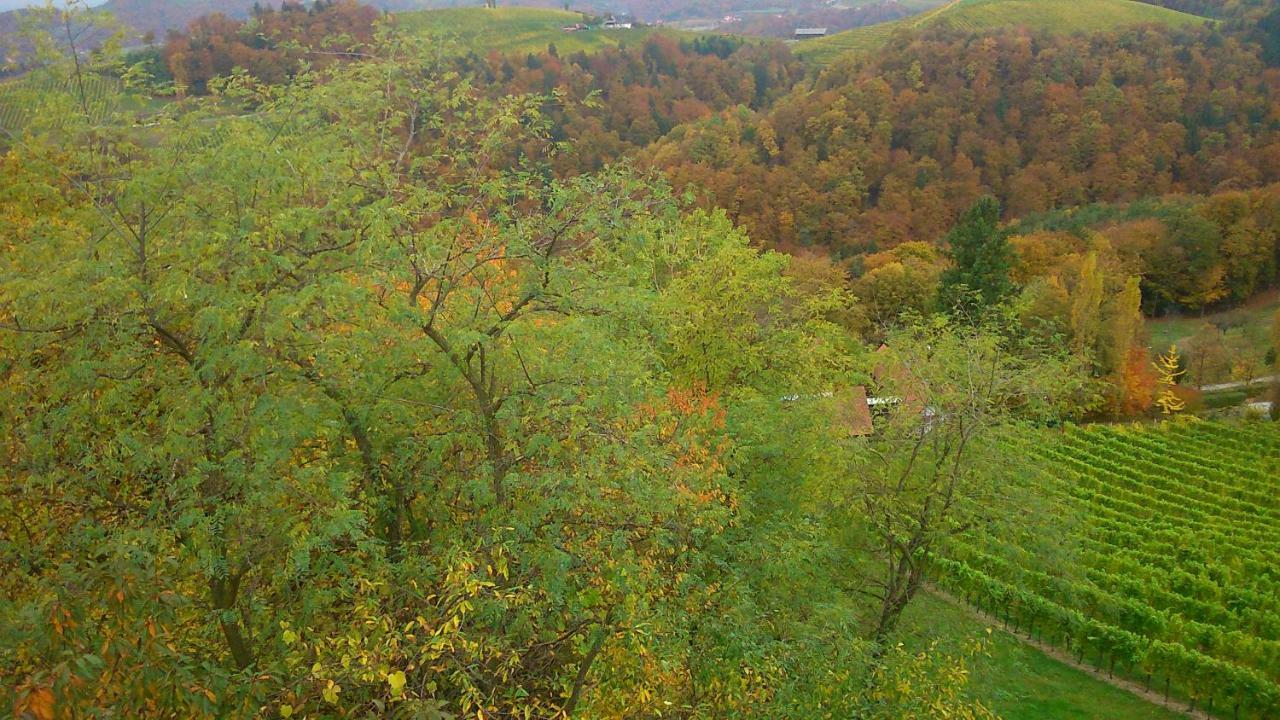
<point>270,45</point>
<point>894,147</point>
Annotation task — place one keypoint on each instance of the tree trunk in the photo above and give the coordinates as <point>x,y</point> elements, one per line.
<point>224,592</point>
<point>585,667</point>
<point>902,589</point>
<point>393,520</point>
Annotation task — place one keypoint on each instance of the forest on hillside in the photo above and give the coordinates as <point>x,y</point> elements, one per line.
<point>350,371</point>
<point>1169,136</point>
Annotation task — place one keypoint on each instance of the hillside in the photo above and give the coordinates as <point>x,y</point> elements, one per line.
<point>517,29</point>
<point>154,17</point>
<point>467,362</point>
<point>1066,17</point>
<point>1166,578</point>
<point>157,18</point>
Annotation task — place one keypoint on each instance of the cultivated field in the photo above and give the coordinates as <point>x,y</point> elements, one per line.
<point>21,97</point>
<point>1168,568</point>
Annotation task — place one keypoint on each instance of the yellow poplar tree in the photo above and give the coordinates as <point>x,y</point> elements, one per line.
<point>1086,308</point>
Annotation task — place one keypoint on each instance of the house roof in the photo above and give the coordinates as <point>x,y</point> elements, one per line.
<point>898,381</point>
<point>811,31</point>
<point>853,415</point>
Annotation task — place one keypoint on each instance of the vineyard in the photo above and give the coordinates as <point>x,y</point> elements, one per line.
<point>980,15</point>
<point>22,98</point>
<point>1169,564</point>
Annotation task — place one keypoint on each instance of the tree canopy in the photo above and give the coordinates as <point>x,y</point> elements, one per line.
<point>342,403</point>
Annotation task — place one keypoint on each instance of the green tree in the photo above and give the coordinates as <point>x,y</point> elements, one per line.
<point>1207,356</point>
<point>924,477</point>
<point>326,398</point>
<point>1246,355</point>
<point>1186,267</point>
<point>982,259</point>
<point>344,377</point>
<point>904,279</point>
<point>1125,325</point>
<point>735,320</point>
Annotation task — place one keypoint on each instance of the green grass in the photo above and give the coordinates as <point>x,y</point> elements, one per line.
<point>1018,681</point>
<point>1160,565</point>
<point>909,5</point>
<point>977,15</point>
<point>1252,321</point>
<point>518,30</point>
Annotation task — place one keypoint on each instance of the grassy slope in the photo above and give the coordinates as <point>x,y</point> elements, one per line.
<point>1056,15</point>
<point>1253,320</point>
<point>912,5</point>
<point>1018,681</point>
<point>517,29</point>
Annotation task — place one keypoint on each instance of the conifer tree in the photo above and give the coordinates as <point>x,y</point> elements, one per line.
<point>983,258</point>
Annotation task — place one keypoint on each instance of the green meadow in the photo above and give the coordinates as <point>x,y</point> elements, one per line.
<point>518,29</point>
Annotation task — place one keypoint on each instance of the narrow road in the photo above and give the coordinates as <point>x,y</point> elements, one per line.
<point>929,15</point>
<point>1065,658</point>
<point>1219,387</point>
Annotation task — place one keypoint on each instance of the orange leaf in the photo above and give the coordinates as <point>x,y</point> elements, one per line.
<point>40,703</point>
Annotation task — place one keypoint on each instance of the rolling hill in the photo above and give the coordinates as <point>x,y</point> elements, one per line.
<point>976,15</point>
<point>518,29</point>
<point>150,16</point>
<point>506,29</point>
<point>159,16</point>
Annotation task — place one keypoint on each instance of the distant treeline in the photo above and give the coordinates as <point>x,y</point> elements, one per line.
<point>270,45</point>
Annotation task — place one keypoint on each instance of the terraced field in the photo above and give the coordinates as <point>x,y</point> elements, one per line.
<point>518,29</point>
<point>1168,571</point>
<point>976,15</point>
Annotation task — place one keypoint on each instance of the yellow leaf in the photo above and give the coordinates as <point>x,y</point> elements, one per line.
<point>396,680</point>
<point>286,711</point>
<point>290,637</point>
<point>330,693</point>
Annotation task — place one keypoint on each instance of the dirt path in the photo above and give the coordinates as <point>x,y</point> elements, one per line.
<point>931,14</point>
<point>1218,387</point>
<point>1065,658</point>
